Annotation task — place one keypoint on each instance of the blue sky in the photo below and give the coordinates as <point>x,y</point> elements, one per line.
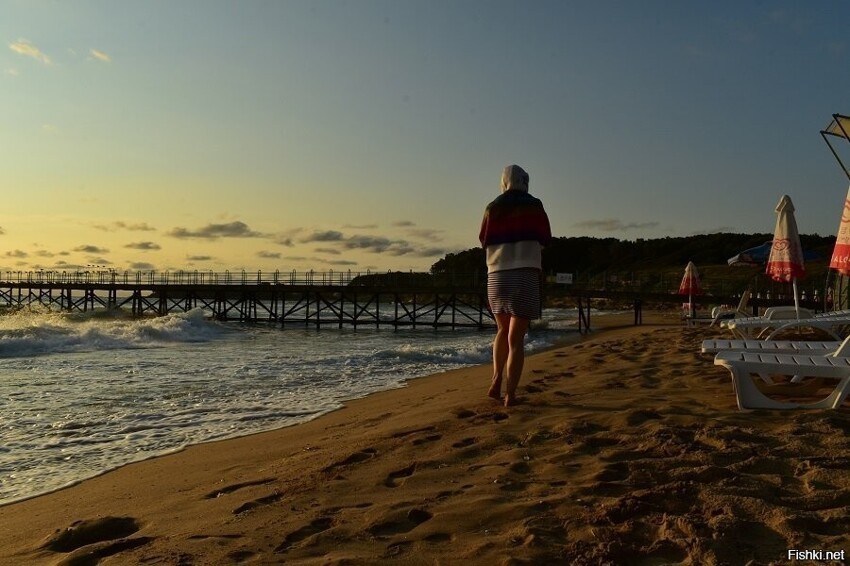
<point>367,134</point>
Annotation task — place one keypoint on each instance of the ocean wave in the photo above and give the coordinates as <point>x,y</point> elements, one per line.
<point>30,333</point>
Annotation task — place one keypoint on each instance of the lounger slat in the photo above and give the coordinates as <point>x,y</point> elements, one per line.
<point>789,346</point>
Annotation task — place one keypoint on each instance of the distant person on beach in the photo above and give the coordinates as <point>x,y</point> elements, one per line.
<point>514,230</point>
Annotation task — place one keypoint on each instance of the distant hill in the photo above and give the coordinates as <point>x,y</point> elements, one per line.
<point>587,257</point>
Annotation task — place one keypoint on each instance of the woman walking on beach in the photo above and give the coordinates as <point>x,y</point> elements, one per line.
<point>514,230</point>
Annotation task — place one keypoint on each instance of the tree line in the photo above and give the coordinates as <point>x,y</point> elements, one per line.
<point>586,256</point>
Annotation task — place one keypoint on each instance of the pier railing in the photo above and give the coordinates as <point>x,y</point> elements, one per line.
<point>659,282</point>
<point>393,279</point>
<point>348,297</point>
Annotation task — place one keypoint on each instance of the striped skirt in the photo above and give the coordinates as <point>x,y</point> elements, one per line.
<point>515,292</point>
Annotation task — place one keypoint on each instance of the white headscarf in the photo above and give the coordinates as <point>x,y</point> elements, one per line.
<point>514,177</point>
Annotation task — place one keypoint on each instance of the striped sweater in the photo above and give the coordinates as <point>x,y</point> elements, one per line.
<point>513,231</point>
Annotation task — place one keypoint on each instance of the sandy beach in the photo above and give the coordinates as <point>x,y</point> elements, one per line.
<point>627,448</point>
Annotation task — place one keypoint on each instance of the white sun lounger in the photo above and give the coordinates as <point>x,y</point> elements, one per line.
<point>835,326</point>
<point>772,314</point>
<point>818,348</point>
<point>746,367</point>
<point>718,314</point>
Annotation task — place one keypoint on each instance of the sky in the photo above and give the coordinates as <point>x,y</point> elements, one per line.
<point>370,135</point>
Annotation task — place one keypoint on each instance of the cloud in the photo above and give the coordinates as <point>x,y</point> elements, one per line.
<point>11,72</point>
<point>96,262</point>
<point>426,234</point>
<point>403,223</point>
<point>100,55</point>
<point>360,227</point>
<point>143,246</point>
<point>268,255</point>
<point>235,229</point>
<point>141,266</point>
<point>199,257</point>
<point>431,252</point>
<point>17,253</point>
<point>326,236</point>
<point>613,225</point>
<point>371,243</point>
<point>376,244</point>
<point>118,225</point>
<point>89,249</point>
<point>27,49</point>
<point>338,262</point>
<point>44,253</point>
<point>720,230</point>
<point>2,231</point>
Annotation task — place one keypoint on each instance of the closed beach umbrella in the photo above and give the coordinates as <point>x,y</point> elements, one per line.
<point>752,256</point>
<point>841,253</point>
<point>785,263</point>
<point>690,285</point>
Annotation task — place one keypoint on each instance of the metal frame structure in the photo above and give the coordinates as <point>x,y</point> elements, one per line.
<point>838,127</point>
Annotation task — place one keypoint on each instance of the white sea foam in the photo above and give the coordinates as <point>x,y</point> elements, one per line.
<point>89,392</point>
<point>27,333</point>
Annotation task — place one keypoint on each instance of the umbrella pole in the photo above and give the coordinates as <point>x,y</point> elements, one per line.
<point>796,299</point>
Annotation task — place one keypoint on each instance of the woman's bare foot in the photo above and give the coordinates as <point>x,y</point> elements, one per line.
<point>495,391</point>
<point>510,400</point>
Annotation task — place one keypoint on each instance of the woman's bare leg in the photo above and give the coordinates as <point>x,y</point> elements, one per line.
<point>500,354</point>
<point>516,357</point>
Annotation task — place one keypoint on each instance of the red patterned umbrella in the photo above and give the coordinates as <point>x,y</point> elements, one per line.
<point>785,263</point>
<point>841,253</point>
<point>690,285</point>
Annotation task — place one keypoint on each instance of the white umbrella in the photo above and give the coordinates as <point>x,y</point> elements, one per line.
<point>785,263</point>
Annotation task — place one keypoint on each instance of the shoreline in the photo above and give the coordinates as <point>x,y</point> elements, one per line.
<point>571,337</point>
<point>627,446</point>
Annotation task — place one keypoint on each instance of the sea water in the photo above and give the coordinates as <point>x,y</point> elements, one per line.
<point>83,393</point>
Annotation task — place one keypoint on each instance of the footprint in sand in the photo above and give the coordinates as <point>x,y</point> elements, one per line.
<point>464,443</point>
<point>236,487</point>
<point>356,458</point>
<point>395,479</point>
<point>437,538</point>
<point>397,549</point>
<point>429,438</point>
<point>259,502</point>
<point>316,526</point>
<point>83,533</point>
<point>495,417</point>
<point>87,542</point>
<point>520,468</point>
<point>399,523</point>
<point>404,433</point>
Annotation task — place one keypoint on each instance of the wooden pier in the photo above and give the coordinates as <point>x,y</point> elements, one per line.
<point>319,299</point>
<point>312,299</point>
